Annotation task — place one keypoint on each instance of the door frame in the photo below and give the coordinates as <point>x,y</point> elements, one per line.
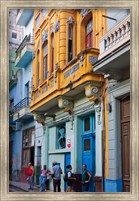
<point>65,164</point>
<point>90,134</point>
<point>125,121</point>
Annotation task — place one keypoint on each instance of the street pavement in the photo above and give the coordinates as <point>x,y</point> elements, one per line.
<point>25,186</point>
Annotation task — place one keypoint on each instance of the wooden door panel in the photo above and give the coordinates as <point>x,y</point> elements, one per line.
<point>126,186</point>
<point>125,137</point>
<point>126,150</point>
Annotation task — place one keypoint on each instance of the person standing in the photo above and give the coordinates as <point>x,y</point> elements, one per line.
<point>30,179</point>
<point>56,175</point>
<point>43,178</point>
<point>70,178</point>
<point>86,176</point>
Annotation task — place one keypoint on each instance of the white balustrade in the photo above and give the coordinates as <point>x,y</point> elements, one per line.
<point>115,37</point>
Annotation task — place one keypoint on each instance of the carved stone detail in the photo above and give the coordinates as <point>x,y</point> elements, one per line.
<point>93,93</point>
<point>56,28</point>
<point>40,118</point>
<point>71,20</point>
<point>84,12</point>
<point>44,36</point>
<point>66,104</point>
<point>81,59</point>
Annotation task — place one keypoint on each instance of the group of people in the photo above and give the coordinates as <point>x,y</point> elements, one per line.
<point>86,177</point>
<point>55,174</point>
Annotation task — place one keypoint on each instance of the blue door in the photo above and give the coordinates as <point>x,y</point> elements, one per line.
<point>67,162</point>
<point>88,147</point>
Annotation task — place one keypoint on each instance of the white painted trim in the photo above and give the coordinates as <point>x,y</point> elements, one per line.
<point>120,89</point>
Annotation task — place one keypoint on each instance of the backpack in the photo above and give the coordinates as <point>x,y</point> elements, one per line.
<point>65,177</point>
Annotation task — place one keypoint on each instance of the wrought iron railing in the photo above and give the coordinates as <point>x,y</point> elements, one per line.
<point>27,40</point>
<point>23,103</point>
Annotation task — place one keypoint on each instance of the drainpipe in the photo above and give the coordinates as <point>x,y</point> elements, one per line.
<point>103,155</point>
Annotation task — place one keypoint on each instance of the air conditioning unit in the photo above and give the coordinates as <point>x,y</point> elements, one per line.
<point>18,126</point>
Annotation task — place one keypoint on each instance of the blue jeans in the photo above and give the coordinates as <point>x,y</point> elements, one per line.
<point>42,183</point>
<point>85,187</point>
<point>31,182</point>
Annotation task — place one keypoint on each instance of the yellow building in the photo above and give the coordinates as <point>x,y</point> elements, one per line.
<point>66,92</point>
<point>66,45</point>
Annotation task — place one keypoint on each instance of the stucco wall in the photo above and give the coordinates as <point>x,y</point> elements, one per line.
<point>16,138</point>
<point>114,140</point>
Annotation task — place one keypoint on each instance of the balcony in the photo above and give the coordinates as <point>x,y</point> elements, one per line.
<point>25,52</point>
<point>22,110</point>
<point>12,81</point>
<point>114,55</point>
<point>23,17</point>
<point>69,81</point>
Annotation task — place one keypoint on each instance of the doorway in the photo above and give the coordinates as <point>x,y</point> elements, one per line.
<point>67,162</point>
<point>88,147</point>
<point>125,139</point>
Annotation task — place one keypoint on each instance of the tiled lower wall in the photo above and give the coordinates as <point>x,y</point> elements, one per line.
<point>112,185</point>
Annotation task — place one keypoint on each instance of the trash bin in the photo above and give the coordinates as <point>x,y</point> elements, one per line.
<point>77,186</point>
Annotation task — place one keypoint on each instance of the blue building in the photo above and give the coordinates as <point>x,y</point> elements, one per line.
<point>22,130</point>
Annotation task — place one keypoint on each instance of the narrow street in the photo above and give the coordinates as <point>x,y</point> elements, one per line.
<point>69,99</point>
<point>15,189</point>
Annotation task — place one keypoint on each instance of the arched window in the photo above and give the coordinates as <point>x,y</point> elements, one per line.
<point>45,60</point>
<point>37,21</point>
<point>86,40</point>
<point>52,52</point>
<point>89,34</point>
<point>70,42</point>
<point>38,68</point>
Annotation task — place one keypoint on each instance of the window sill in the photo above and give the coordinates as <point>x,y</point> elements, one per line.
<point>59,151</point>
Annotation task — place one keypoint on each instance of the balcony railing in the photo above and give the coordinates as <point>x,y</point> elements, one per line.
<point>12,81</point>
<point>11,108</point>
<point>117,36</point>
<point>23,103</point>
<point>27,40</point>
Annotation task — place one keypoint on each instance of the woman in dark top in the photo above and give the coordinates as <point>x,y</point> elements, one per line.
<point>70,178</point>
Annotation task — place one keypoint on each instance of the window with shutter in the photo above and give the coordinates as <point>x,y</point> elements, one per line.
<point>45,61</point>
<point>89,34</point>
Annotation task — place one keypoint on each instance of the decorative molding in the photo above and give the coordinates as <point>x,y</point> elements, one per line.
<point>38,46</point>
<point>44,36</point>
<point>56,28</point>
<point>81,60</point>
<point>40,118</point>
<point>98,111</point>
<point>71,118</point>
<point>84,12</point>
<point>50,115</point>
<point>93,93</point>
<point>66,104</point>
<point>71,20</point>
<point>52,29</point>
<point>56,67</point>
<point>55,76</point>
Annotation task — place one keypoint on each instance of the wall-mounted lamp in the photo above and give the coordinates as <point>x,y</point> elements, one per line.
<point>109,107</point>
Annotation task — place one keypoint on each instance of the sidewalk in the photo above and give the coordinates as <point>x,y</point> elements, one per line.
<point>25,186</point>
